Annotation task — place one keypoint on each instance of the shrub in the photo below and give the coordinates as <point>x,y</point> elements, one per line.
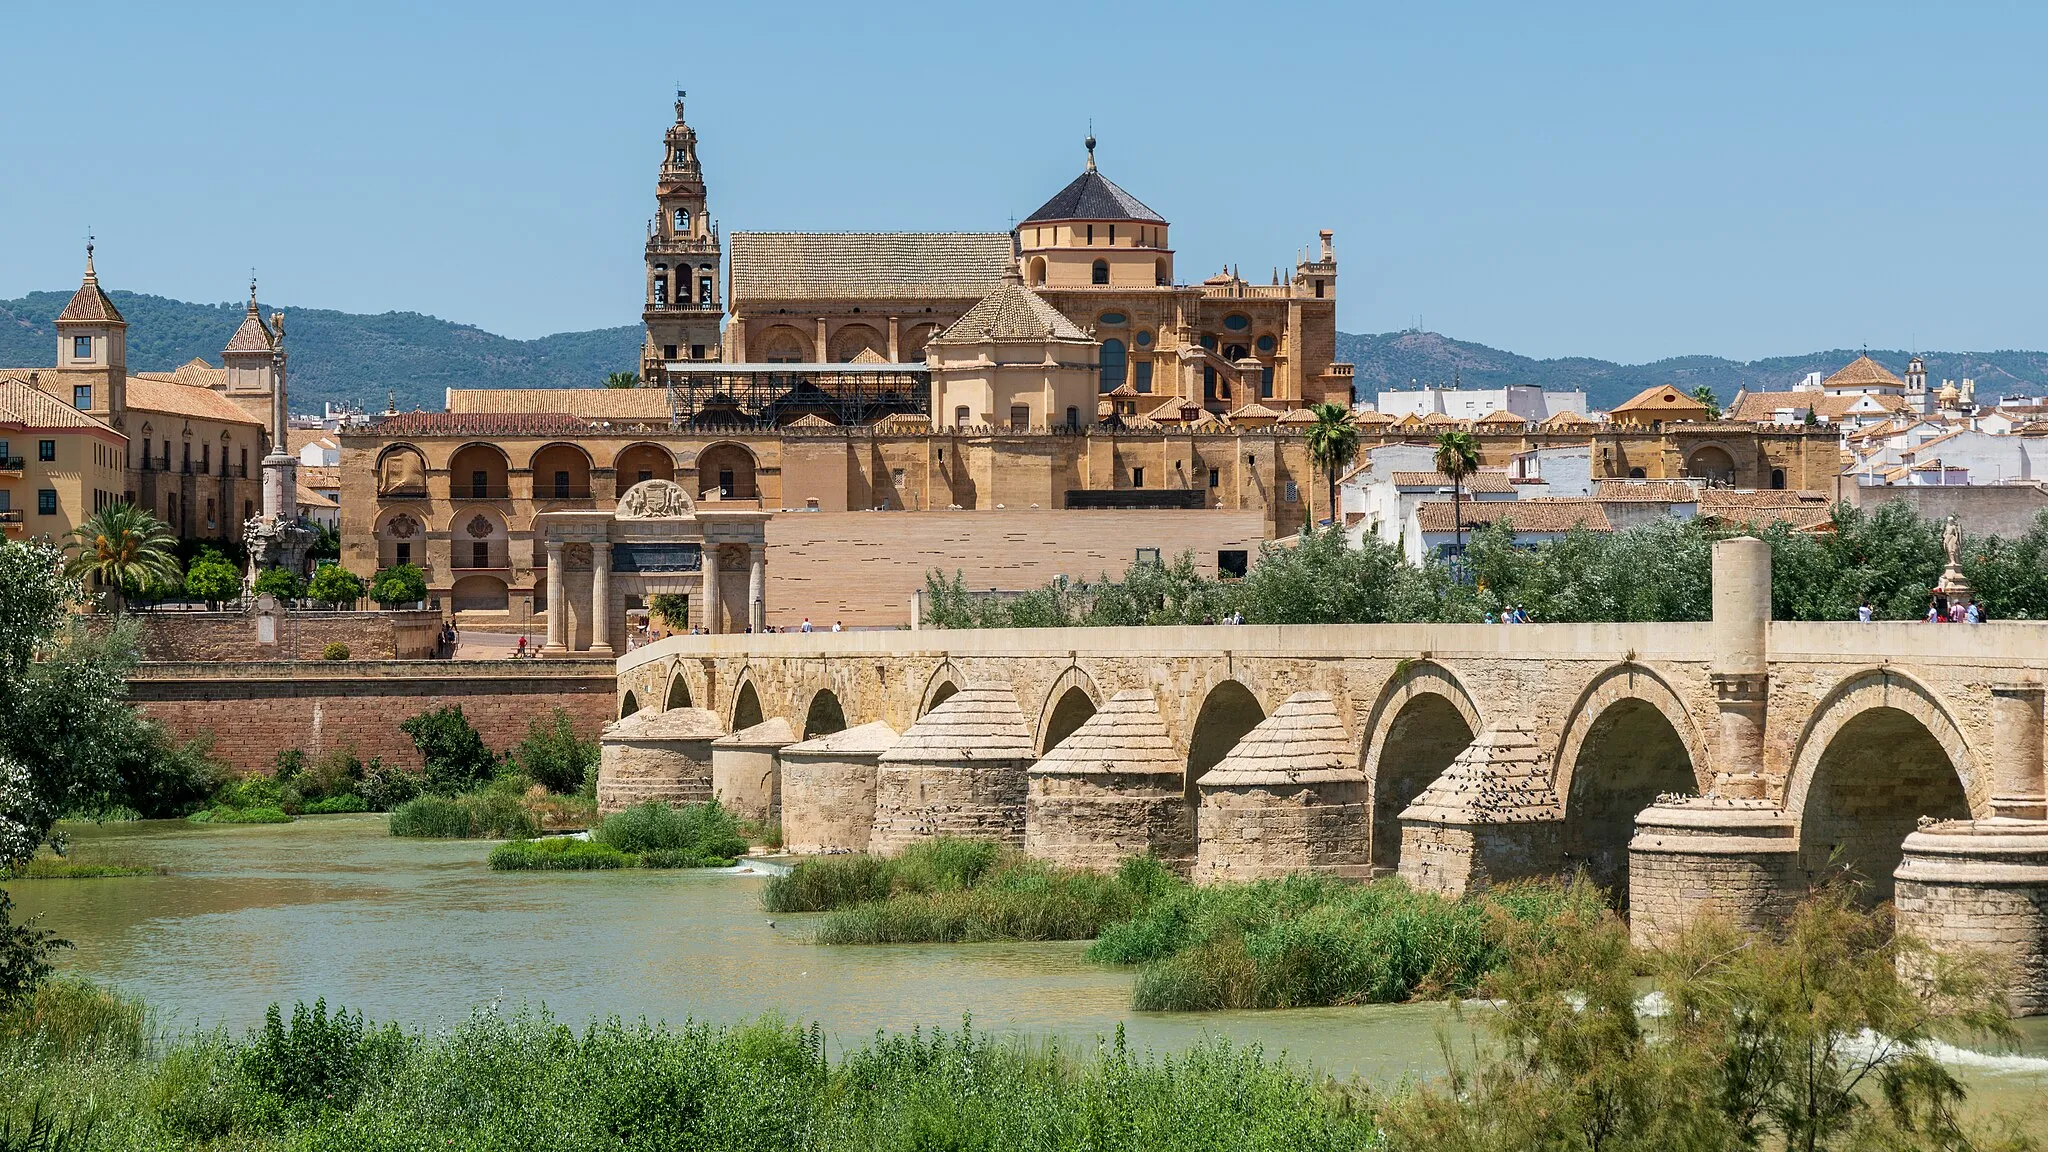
<point>334,585</point>
<point>452,750</point>
<point>430,816</point>
<point>25,952</point>
<point>337,772</point>
<point>558,853</point>
<point>257,790</point>
<point>47,868</point>
<point>332,805</point>
<point>386,786</point>
<point>281,583</point>
<point>694,830</point>
<point>833,882</point>
<point>553,755</point>
<point>318,1061</point>
<point>398,584</point>
<point>335,650</point>
<point>673,858</point>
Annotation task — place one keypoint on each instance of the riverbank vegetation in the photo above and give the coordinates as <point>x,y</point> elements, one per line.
<point>1809,1039</point>
<point>546,782</point>
<point>1303,941</point>
<point>1661,570</point>
<point>650,835</point>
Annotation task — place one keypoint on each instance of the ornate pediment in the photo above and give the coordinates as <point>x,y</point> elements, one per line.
<point>655,500</point>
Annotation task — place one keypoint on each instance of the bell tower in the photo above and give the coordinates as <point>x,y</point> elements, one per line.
<point>685,301</point>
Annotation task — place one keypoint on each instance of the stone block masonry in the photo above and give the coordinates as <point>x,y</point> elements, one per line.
<point>196,636</point>
<point>255,710</point>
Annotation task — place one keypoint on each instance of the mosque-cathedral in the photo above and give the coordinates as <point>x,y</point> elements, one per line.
<point>1059,365</point>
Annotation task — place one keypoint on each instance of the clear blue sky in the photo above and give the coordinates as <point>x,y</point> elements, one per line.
<point>1627,182</point>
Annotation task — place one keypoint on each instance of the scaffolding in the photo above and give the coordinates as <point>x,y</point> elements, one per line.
<point>724,395</point>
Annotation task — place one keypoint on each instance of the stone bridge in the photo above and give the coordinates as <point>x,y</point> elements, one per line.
<point>1691,767</point>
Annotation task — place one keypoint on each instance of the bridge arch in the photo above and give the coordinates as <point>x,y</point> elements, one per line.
<point>1228,712</point>
<point>629,705</point>
<point>1628,740</point>
<point>945,680</point>
<point>678,695</point>
<point>1072,699</point>
<point>823,715</point>
<point>1423,718</point>
<point>746,704</point>
<point>1878,753</point>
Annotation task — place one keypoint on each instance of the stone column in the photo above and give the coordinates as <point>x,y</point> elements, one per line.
<point>2017,785</point>
<point>757,587</point>
<point>711,598</point>
<point>558,610</point>
<point>1740,668</point>
<point>600,598</point>
<point>819,355</point>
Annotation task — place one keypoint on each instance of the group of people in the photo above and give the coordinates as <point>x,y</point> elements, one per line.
<point>1941,609</point>
<point>1231,617</point>
<point>1512,614</point>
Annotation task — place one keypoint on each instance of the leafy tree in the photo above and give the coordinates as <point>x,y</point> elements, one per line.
<point>212,579</point>
<point>1457,456</point>
<point>281,583</point>
<point>123,547</point>
<point>326,542</point>
<point>1705,395</point>
<point>332,584</point>
<point>25,952</point>
<point>622,380</point>
<point>452,750</point>
<point>554,755</point>
<point>1332,444</point>
<point>399,584</point>
<point>673,608</point>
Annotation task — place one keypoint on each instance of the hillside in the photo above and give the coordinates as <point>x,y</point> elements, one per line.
<point>349,358</point>
<point>1394,359</point>
<point>337,356</point>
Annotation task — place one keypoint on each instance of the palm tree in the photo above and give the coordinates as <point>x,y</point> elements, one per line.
<point>1457,456</point>
<point>1332,444</point>
<point>622,380</point>
<point>122,545</point>
<point>1705,395</point>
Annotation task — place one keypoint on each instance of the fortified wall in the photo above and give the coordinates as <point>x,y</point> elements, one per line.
<point>1721,768</point>
<point>252,710</point>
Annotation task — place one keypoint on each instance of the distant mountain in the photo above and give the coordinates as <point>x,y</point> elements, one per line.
<point>361,360</point>
<point>338,356</point>
<point>1394,360</point>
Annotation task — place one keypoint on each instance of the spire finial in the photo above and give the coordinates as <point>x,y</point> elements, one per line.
<point>88,256</point>
<point>1090,144</point>
<point>252,291</point>
<point>679,102</point>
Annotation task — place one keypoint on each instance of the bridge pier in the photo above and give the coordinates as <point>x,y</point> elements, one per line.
<point>1700,856</point>
<point>1288,798</point>
<point>746,771</point>
<point>1493,815</point>
<point>1984,883</point>
<point>652,755</point>
<point>959,771</point>
<point>828,790</point>
<point>1112,789</point>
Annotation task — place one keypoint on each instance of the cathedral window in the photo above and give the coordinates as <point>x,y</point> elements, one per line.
<point>1112,364</point>
<point>1265,343</point>
<point>704,291</point>
<point>1237,322</point>
<point>1101,272</point>
<point>661,289</point>
<point>682,219</point>
<point>1141,373</point>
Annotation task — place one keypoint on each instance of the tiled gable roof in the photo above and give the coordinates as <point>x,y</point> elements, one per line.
<point>1670,491</point>
<point>1011,312</point>
<point>1523,515</point>
<point>588,403</point>
<point>1482,481</point>
<point>867,265</point>
<point>1093,196</point>
<point>253,335</point>
<point>1659,398</point>
<point>29,406</point>
<point>154,394</point>
<point>89,304</point>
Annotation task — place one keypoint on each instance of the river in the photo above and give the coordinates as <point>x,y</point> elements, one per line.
<point>423,933</point>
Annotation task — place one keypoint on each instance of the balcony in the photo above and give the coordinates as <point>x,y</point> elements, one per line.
<point>478,492</point>
<point>12,466</point>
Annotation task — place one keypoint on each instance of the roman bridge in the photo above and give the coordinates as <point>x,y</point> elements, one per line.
<point>1723,766</point>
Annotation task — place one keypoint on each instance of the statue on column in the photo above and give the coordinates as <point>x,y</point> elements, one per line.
<point>277,538</point>
<point>1953,583</point>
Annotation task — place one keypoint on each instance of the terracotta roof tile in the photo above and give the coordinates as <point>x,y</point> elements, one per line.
<point>1863,372</point>
<point>89,304</point>
<point>1659,398</point>
<point>1482,481</point>
<point>1673,491</point>
<point>588,403</point>
<point>146,394</point>
<point>253,335</point>
<point>1524,515</point>
<point>867,265</point>
<point>22,403</point>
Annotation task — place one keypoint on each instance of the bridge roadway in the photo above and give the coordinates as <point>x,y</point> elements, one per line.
<point>1718,767</point>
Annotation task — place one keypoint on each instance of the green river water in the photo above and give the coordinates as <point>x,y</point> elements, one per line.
<point>422,932</point>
